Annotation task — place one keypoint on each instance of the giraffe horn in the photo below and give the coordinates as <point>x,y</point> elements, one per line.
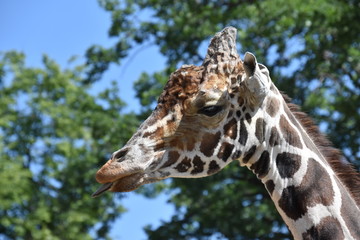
<point>222,47</point>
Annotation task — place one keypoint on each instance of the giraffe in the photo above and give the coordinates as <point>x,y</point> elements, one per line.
<point>228,109</point>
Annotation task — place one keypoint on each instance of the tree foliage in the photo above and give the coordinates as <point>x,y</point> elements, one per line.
<point>54,135</point>
<point>311,49</point>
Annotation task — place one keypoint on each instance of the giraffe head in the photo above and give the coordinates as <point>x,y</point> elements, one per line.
<point>197,127</point>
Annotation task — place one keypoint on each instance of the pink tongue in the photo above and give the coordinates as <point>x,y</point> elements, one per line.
<point>102,189</point>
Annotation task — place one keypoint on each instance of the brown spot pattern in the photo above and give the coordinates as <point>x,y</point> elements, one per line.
<point>260,129</point>
<point>184,165</point>
<point>289,133</point>
<point>147,134</point>
<point>272,106</point>
<point>249,154</point>
<point>190,143</point>
<point>243,133</point>
<point>270,186</point>
<point>291,204</point>
<point>173,156</point>
<point>261,166</point>
<point>209,142</point>
<point>213,167</point>
<point>225,151</point>
<point>159,146</point>
<point>230,129</point>
<point>274,137</point>
<point>248,117</point>
<point>295,200</point>
<point>230,114</point>
<point>198,165</point>
<point>178,143</point>
<point>329,228</point>
<point>158,133</point>
<point>287,164</point>
<point>240,101</point>
<point>237,154</point>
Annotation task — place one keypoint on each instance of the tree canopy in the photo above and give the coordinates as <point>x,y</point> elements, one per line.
<point>55,134</point>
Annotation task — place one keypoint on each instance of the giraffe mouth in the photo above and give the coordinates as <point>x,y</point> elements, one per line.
<point>102,189</point>
<point>125,184</point>
<point>123,176</point>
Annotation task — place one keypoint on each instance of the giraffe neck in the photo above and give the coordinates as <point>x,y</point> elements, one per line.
<point>306,191</point>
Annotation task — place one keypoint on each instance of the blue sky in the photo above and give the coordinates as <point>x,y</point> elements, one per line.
<point>62,29</point>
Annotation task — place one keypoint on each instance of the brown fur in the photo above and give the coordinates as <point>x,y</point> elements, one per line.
<point>344,171</point>
<point>180,86</point>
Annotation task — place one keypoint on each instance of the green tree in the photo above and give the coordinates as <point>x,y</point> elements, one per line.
<point>312,51</point>
<point>54,133</point>
<point>53,136</point>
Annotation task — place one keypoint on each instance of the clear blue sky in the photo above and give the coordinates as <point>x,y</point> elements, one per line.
<point>62,29</point>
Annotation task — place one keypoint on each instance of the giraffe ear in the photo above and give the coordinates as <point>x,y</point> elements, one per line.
<point>250,64</point>
<point>257,80</point>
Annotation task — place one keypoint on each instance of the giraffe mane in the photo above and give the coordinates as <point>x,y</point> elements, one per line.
<point>344,170</point>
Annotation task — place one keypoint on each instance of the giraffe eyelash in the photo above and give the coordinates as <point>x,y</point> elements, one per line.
<point>211,110</point>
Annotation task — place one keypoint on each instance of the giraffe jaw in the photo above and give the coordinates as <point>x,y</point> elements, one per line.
<point>127,183</point>
<point>123,184</point>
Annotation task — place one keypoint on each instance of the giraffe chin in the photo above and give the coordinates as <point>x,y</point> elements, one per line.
<point>128,183</point>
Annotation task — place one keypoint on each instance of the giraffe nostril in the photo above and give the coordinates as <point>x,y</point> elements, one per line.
<point>119,154</point>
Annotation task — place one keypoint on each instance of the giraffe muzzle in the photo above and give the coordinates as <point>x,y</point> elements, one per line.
<point>116,177</point>
<point>125,184</point>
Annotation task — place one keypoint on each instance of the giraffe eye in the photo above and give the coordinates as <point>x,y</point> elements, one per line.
<point>210,110</point>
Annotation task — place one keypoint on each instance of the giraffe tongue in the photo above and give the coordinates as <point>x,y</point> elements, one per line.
<point>102,189</point>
